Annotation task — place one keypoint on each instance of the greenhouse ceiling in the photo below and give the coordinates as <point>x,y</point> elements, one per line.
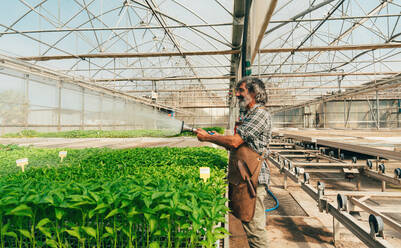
<point>309,48</point>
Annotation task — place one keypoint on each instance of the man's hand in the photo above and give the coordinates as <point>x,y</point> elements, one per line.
<point>201,134</point>
<point>213,133</point>
<point>227,141</point>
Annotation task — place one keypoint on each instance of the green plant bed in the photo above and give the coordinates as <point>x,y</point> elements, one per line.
<point>142,197</point>
<point>93,134</point>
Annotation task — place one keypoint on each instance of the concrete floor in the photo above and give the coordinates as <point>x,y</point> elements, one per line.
<point>297,223</point>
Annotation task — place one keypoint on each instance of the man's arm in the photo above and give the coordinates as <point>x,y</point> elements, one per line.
<point>227,141</point>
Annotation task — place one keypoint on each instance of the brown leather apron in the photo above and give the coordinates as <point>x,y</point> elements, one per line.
<point>243,171</point>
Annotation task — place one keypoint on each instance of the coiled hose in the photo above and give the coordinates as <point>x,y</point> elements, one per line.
<point>275,199</point>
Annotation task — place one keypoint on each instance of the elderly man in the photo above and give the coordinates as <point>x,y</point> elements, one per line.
<point>249,173</point>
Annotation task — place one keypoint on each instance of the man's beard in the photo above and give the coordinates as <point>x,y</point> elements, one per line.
<point>243,103</point>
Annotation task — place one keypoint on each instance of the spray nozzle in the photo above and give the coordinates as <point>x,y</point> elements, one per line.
<point>186,128</point>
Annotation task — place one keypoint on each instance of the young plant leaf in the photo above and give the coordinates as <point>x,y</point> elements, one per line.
<point>59,213</point>
<point>109,230</point>
<point>42,222</point>
<point>45,231</point>
<point>112,213</point>
<point>21,210</point>
<point>51,243</point>
<point>74,232</point>
<point>11,234</point>
<point>154,244</point>
<point>25,233</point>
<point>90,231</point>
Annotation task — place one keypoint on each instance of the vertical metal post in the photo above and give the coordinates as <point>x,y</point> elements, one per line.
<point>259,63</point>
<point>133,115</point>
<point>285,119</point>
<point>60,84</point>
<point>124,116</point>
<point>398,112</point>
<point>324,114</point>
<point>26,101</point>
<point>154,121</point>
<point>345,125</point>
<point>233,110</point>
<point>245,35</point>
<point>101,111</point>
<point>211,117</point>
<point>113,114</point>
<point>373,114</point>
<point>358,183</point>
<point>348,112</point>
<point>377,110</point>
<point>336,231</point>
<point>285,181</point>
<point>239,73</point>
<point>82,109</point>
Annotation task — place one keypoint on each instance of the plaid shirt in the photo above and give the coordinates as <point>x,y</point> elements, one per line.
<point>256,132</point>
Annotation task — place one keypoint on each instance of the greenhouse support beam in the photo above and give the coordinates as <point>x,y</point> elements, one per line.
<point>129,55</point>
<point>206,53</point>
<point>275,75</point>
<point>226,89</point>
<point>144,27</point>
<point>216,66</point>
<point>340,18</point>
<point>332,48</point>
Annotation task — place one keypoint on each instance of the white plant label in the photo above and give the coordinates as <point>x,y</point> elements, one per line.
<point>62,155</point>
<point>204,173</point>
<point>21,163</point>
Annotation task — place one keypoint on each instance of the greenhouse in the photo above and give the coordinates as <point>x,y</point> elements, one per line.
<point>213,123</point>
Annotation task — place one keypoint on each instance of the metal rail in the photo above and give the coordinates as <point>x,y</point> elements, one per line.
<point>283,159</point>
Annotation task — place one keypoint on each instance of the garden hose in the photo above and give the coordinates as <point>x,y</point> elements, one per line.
<point>275,199</point>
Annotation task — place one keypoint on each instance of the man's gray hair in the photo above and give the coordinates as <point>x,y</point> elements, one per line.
<point>255,85</point>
